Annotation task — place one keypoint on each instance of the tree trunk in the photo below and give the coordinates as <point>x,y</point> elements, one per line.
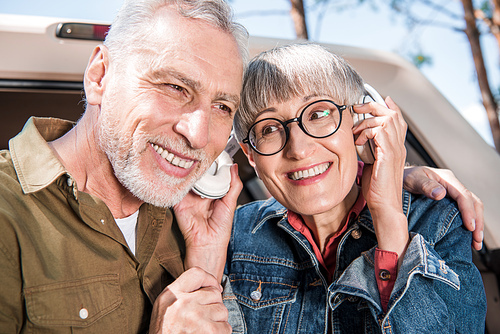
<point>489,102</point>
<point>495,20</point>
<point>298,15</point>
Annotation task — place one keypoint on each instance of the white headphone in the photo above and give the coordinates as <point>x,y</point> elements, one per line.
<point>215,183</point>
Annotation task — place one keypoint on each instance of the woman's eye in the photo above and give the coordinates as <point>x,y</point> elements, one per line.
<point>318,114</point>
<point>269,129</point>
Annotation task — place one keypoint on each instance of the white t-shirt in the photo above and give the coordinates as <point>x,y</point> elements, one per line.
<point>128,227</point>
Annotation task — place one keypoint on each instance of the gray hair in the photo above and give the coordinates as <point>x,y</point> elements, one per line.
<point>279,74</point>
<point>131,25</point>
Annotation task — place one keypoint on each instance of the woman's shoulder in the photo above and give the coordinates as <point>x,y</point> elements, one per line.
<point>260,208</point>
<point>433,219</point>
<point>253,216</point>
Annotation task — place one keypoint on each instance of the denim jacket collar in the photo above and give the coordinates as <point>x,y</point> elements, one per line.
<point>364,219</point>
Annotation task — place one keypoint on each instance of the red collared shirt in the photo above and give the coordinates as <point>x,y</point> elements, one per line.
<point>386,262</point>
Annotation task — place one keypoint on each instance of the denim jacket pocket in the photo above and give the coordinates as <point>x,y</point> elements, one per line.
<point>263,291</point>
<point>76,303</point>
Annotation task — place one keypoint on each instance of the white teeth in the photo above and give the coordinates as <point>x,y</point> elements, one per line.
<point>311,172</point>
<point>170,157</point>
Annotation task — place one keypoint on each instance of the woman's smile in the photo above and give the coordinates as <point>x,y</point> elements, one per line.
<point>310,172</point>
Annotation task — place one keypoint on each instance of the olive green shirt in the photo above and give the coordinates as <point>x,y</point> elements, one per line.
<point>64,264</point>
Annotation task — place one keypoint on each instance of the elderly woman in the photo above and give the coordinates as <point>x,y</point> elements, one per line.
<point>340,249</point>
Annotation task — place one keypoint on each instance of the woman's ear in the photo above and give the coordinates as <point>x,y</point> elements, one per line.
<point>249,153</point>
<point>95,74</point>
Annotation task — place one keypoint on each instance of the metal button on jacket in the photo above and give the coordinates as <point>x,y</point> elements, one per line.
<point>356,234</point>
<point>256,295</point>
<point>384,275</point>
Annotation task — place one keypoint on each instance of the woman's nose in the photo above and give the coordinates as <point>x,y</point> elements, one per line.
<point>299,144</point>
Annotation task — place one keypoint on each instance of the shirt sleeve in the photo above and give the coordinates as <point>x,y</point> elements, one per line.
<point>386,264</point>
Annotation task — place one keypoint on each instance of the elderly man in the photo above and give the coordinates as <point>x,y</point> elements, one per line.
<point>79,246</point>
<point>89,241</point>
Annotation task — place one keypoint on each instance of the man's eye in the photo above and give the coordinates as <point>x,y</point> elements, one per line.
<point>225,108</point>
<point>176,87</point>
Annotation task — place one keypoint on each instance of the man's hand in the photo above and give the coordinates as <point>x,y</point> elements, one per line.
<point>206,226</point>
<point>192,304</point>
<point>436,183</point>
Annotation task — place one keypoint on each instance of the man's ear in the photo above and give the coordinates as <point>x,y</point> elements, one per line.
<point>249,153</point>
<point>95,74</point>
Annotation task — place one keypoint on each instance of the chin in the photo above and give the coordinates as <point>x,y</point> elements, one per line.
<point>158,189</point>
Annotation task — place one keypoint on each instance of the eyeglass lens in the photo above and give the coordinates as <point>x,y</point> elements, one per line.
<point>319,119</point>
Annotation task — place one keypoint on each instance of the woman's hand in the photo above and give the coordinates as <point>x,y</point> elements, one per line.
<point>382,182</point>
<point>206,227</point>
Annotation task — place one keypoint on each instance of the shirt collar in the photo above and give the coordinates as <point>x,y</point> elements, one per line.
<point>35,163</point>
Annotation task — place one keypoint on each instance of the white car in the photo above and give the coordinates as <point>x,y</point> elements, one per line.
<point>41,70</point>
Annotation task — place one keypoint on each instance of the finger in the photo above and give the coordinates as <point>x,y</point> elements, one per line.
<point>217,327</point>
<point>193,279</point>
<point>478,234</point>
<point>465,202</point>
<point>206,305</point>
<point>236,185</point>
<point>471,210</point>
<point>391,104</point>
<point>424,186</point>
<point>207,296</point>
<point>199,318</point>
<point>386,138</point>
<point>218,312</point>
<point>392,122</point>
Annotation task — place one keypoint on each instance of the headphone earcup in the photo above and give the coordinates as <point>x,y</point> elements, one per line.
<point>215,183</point>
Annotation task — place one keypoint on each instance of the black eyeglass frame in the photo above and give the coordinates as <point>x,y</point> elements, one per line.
<point>246,140</point>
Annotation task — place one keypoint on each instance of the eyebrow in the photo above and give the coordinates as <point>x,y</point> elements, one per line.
<point>308,97</point>
<point>265,111</point>
<point>196,85</point>
<point>272,109</point>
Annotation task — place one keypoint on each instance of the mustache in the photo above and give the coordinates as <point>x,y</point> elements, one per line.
<point>179,146</point>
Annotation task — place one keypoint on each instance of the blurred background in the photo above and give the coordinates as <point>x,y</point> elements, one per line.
<point>429,33</point>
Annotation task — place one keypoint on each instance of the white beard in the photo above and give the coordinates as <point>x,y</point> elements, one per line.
<point>124,154</point>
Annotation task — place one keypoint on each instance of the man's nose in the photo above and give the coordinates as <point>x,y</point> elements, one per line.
<point>194,126</point>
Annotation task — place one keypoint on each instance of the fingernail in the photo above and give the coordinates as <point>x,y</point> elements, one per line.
<point>436,192</point>
<point>474,226</point>
<point>482,236</point>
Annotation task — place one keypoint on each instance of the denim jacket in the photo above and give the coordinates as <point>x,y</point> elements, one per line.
<point>280,288</point>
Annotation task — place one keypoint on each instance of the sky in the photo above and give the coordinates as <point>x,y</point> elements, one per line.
<point>451,71</point>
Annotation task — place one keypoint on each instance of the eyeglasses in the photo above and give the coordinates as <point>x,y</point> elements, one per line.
<point>318,119</point>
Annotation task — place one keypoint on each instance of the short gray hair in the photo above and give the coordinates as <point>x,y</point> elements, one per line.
<point>131,25</point>
<point>279,74</point>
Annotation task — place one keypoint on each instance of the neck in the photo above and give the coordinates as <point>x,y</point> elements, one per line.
<point>326,224</point>
<point>79,152</point>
